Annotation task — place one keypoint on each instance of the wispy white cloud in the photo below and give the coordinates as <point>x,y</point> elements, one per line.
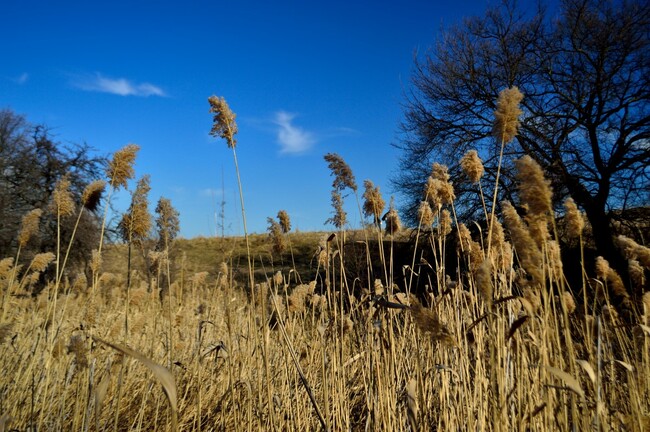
<point>117,86</point>
<point>22,78</point>
<point>292,139</point>
<point>210,192</point>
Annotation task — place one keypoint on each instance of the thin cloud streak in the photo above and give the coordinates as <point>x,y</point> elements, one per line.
<point>292,139</point>
<point>117,86</point>
<point>210,192</point>
<point>22,79</point>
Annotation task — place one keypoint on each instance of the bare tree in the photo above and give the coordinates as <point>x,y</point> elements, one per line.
<point>585,75</point>
<point>31,164</point>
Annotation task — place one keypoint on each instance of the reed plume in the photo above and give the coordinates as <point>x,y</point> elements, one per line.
<point>136,222</point>
<point>340,217</point>
<point>62,204</point>
<point>611,277</point>
<point>427,321</point>
<point>41,261</point>
<point>530,256</point>
<point>92,194</point>
<point>343,176</point>
<point>506,115</point>
<point>634,251</point>
<point>444,223</point>
<point>373,204</point>
<point>425,214</point>
<point>483,277</point>
<point>120,169</point>
<point>472,166</point>
<point>534,189</point>
<point>275,234</point>
<point>285,221</point>
<point>574,219</point>
<point>29,226</point>
<point>223,121</point>
<point>393,222</point>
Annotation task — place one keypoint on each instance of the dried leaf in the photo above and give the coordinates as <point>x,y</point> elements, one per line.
<point>590,371</point>
<point>162,374</point>
<point>412,404</point>
<point>625,365</point>
<point>570,382</point>
<point>515,325</point>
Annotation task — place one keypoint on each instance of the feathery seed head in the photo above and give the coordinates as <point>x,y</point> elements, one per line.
<point>440,172</point>
<point>29,226</point>
<point>285,221</point>
<point>534,190</point>
<point>444,223</point>
<point>530,256</point>
<point>340,217</point>
<point>483,276</point>
<point>6,264</point>
<point>611,277</point>
<point>96,261</point>
<point>136,222</point>
<point>343,176</point>
<point>472,166</point>
<point>427,321</point>
<point>569,302</point>
<point>393,222</point>
<point>633,250</point>
<point>438,192</point>
<point>223,121</point>
<point>637,274</point>
<point>167,222</point>
<point>574,219</point>
<point>120,168</point>
<point>41,261</point>
<point>62,203</point>
<point>373,204</point>
<point>506,116</point>
<point>92,194</point>
<point>425,214</point>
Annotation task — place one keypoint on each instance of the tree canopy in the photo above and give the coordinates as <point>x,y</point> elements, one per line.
<point>584,71</point>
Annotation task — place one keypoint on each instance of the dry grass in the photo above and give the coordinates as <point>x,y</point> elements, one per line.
<point>500,344</point>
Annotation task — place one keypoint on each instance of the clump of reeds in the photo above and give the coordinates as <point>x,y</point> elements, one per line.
<point>276,231</point>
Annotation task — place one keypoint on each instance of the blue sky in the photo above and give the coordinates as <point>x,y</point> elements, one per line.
<point>304,78</point>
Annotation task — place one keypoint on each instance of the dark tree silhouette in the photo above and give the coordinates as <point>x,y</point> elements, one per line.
<point>585,74</point>
<point>31,163</point>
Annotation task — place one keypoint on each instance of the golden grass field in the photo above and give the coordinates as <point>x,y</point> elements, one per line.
<point>329,334</point>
